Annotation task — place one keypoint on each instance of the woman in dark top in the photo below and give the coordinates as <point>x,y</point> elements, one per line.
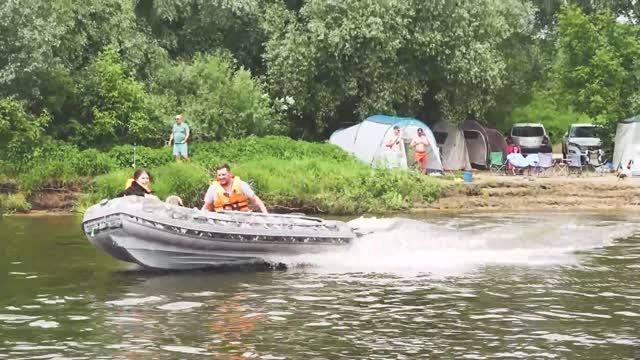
<point>139,185</point>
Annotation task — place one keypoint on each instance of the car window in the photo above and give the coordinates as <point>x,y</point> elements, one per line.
<point>584,131</point>
<point>527,131</point>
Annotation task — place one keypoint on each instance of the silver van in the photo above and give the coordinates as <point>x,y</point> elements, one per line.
<point>531,137</point>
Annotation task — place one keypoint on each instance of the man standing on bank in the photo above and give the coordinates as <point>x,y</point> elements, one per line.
<point>421,145</point>
<point>228,192</point>
<point>180,136</point>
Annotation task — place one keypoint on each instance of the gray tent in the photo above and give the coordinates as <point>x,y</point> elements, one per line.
<point>496,140</point>
<point>627,145</point>
<point>366,141</point>
<point>477,142</point>
<point>453,148</point>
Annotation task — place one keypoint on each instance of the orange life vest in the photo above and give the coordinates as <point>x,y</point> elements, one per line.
<point>236,200</point>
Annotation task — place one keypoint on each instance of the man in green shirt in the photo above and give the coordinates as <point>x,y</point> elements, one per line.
<point>180,136</point>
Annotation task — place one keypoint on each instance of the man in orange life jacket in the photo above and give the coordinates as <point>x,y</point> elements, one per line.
<point>228,192</point>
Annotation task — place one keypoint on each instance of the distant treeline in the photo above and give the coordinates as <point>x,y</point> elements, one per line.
<point>99,73</point>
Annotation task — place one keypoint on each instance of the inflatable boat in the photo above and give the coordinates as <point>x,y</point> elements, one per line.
<point>154,234</point>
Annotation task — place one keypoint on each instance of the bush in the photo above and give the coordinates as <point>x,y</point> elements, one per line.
<point>20,133</point>
<point>63,164</point>
<point>219,100</point>
<point>145,156</point>
<point>187,180</point>
<point>11,203</point>
<point>278,147</point>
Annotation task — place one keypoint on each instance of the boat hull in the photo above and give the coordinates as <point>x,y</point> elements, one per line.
<point>162,236</point>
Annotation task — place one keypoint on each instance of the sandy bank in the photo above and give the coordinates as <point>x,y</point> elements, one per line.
<point>491,193</point>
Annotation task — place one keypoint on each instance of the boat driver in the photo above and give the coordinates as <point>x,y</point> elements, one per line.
<point>228,192</point>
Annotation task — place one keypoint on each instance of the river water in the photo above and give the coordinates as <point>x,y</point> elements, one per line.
<point>445,287</point>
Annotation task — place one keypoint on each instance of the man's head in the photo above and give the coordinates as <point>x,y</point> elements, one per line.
<point>179,119</point>
<point>420,132</point>
<point>223,174</point>
<point>396,130</point>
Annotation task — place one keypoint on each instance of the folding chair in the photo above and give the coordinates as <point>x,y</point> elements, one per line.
<point>574,164</point>
<point>497,165</point>
<point>545,164</point>
<point>517,162</point>
<point>560,168</point>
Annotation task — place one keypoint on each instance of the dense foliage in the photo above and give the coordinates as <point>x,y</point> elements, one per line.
<point>109,72</point>
<point>83,84</point>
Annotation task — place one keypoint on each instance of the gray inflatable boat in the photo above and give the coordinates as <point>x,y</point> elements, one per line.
<point>158,235</point>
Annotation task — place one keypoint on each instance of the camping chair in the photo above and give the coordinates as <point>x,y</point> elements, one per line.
<point>517,162</point>
<point>545,164</point>
<point>497,165</point>
<point>596,162</point>
<point>574,164</point>
<point>560,168</point>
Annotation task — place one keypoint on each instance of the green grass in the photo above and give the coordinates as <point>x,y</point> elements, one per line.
<point>13,203</point>
<point>282,171</point>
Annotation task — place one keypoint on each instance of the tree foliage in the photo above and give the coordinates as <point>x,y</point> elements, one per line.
<point>596,69</point>
<point>345,60</point>
<point>109,72</point>
<point>219,100</point>
<point>20,132</point>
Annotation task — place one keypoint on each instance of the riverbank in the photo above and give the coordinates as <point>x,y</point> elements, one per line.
<point>518,193</point>
<point>485,193</point>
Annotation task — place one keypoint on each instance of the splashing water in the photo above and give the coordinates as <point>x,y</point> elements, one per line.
<point>406,246</point>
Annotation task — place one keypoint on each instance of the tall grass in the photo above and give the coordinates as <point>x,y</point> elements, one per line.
<point>12,203</point>
<point>282,171</point>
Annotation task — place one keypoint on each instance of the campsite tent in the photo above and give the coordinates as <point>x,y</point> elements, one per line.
<point>366,141</point>
<point>627,144</point>
<point>450,140</point>
<point>477,142</point>
<point>496,140</point>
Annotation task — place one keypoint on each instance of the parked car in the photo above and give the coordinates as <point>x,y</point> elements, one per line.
<point>531,137</point>
<point>582,136</point>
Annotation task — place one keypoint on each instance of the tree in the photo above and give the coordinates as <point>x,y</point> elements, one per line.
<point>342,61</point>
<point>596,69</point>
<point>116,105</point>
<point>187,27</point>
<point>20,132</point>
<point>219,100</point>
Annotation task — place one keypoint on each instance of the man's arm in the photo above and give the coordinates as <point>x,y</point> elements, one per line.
<point>171,137</point>
<point>248,192</point>
<point>209,199</point>
<point>256,200</point>
<point>391,141</point>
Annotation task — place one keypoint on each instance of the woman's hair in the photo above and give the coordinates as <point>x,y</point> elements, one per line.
<point>139,172</point>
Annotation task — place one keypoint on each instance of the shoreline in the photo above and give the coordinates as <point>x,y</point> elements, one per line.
<point>486,194</point>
